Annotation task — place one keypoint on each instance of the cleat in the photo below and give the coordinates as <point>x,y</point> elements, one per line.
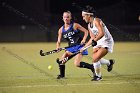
<point>60,77</point>
<point>110,67</point>
<point>96,78</point>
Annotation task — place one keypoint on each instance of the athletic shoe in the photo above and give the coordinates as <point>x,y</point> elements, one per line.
<point>60,77</point>
<point>96,78</point>
<point>110,67</point>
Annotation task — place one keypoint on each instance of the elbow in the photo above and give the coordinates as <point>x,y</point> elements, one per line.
<point>102,34</point>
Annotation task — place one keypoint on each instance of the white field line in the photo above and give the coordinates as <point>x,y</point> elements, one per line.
<point>57,85</point>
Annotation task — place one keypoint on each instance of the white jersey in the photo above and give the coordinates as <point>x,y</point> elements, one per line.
<point>106,40</point>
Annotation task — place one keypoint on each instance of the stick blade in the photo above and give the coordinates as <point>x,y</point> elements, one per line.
<point>41,53</point>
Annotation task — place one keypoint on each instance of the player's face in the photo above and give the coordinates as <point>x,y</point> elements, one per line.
<point>86,17</point>
<point>66,18</point>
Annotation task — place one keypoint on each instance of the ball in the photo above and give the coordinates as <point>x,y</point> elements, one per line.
<point>49,67</point>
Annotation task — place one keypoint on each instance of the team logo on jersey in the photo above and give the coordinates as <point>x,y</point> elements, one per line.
<point>69,34</point>
<point>95,32</point>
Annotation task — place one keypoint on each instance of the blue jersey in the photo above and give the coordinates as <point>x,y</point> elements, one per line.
<point>72,36</point>
<point>74,39</point>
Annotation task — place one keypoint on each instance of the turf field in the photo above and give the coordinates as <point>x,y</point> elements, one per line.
<point>23,70</point>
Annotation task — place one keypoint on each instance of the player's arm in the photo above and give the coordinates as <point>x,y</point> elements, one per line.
<point>100,29</point>
<point>59,38</point>
<point>92,37</point>
<point>79,27</point>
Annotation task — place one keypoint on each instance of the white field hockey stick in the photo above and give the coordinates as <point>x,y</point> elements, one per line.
<point>70,57</point>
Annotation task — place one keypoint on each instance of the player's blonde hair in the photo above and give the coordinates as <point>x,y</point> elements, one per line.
<point>67,12</point>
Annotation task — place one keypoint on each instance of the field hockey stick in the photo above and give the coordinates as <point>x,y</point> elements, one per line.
<point>70,57</point>
<point>53,51</point>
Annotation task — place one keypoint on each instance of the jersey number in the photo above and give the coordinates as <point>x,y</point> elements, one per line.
<point>71,40</point>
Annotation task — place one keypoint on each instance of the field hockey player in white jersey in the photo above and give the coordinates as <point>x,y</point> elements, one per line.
<point>102,39</point>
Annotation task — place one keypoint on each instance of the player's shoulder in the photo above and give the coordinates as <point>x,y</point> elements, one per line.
<point>76,25</point>
<point>60,29</point>
<point>96,19</point>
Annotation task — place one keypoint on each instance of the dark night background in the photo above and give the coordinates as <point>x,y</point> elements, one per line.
<point>37,20</point>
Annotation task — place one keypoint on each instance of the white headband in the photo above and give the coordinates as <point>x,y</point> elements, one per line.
<point>87,13</point>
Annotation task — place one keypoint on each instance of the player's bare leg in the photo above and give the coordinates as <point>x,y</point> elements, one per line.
<point>103,61</point>
<point>98,54</point>
<point>82,64</point>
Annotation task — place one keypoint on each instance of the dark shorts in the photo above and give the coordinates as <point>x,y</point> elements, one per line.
<point>76,48</point>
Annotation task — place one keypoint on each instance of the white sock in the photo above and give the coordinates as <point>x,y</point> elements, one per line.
<point>97,67</point>
<point>105,62</point>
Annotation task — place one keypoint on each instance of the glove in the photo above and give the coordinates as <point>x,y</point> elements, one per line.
<point>94,43</point>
